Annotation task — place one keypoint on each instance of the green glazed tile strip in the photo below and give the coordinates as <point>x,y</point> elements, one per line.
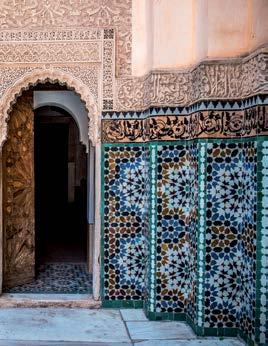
<point>262,245</point>
<point>102,225</point>
<point>201,233</point>
<point>152,259</point>
<point>119,304</point>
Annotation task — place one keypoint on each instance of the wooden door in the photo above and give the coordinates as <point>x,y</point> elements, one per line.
<point>18,196</point>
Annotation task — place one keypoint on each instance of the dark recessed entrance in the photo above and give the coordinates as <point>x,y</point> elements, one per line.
<point>60,202</point>
<point>60,188</point>
<point>60,185</point>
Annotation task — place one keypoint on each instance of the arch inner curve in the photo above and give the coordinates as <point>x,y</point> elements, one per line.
<point>70,102</point>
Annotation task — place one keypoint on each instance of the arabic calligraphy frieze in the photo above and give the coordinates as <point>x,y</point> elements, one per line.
<point>202,124</point>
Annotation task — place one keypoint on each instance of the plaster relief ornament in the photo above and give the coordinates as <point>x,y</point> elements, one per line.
<point>53,76</point>
<point>229,79</point>
<point>68,14</point>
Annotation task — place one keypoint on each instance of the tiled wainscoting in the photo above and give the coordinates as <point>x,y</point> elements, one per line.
<point>184,217</point>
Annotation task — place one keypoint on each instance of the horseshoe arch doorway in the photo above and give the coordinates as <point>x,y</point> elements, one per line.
<point>47,243</point>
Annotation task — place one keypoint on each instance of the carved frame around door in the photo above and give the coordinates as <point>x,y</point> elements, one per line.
<point>9,99</point>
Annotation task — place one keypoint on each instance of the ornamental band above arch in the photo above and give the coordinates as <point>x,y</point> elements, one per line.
<point>54,76</point>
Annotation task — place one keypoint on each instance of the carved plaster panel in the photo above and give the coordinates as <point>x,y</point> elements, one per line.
<point>9,76</point>
<point>53,75</point>
<point>91,62</point>
<point>24,19</point>
<point>51,35</point>
<point>47,52</point>
<point>234,78</point>
<point>88,74</point>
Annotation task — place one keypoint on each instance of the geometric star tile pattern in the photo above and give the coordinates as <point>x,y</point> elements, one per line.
<point>180,230</point>
<point>125,208</point>
<point>176,227</point>
<point>231,235</point>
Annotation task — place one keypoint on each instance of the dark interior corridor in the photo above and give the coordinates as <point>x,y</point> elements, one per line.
<point>60,212</point>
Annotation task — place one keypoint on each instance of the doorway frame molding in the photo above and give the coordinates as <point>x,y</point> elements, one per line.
<point>7,101</point>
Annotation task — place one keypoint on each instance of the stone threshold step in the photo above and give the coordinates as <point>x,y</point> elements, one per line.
<point>30,300</point>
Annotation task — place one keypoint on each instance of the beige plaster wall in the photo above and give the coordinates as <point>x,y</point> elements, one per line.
<point>259,34</point>
<point>142,33</point>
<point>172,34</point>
<point>228,27</point>
<point>200,30</point>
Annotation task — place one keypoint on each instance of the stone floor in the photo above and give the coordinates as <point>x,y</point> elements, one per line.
<point>63,327</point>
<point>58,278</point>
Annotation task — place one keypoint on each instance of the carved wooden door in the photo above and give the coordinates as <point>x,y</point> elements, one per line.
<point>18,196</point>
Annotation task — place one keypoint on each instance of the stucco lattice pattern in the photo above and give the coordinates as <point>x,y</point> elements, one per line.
<point>125,211</point>
<point>231,236</point>
<point>176,228</point>
<point>24,20</point>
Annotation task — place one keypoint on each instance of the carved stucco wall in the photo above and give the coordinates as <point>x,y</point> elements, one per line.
<point>90,40</point>
<point>229,79</point>
<point>64,18</point>
<point>88,55</point>
<point>86,42</point>
<point>52,75</point>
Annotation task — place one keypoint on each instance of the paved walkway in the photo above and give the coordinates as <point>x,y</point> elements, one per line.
<point>71,327</point>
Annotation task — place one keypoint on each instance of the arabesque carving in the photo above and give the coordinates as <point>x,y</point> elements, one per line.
<point>54,76</point>
<point>51,35</point>
<point>90,61</point>
<point>18,196</point>
<point>236,78</point>
<point>17,17</point>
<point>47,52</point>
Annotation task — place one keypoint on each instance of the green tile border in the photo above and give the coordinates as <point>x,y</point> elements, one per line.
<point>152,229</point>
<point>147,232</point>
<point>221,332</point>
<point>261,334</point>
<point>201,235</point>
<point>120,304</point>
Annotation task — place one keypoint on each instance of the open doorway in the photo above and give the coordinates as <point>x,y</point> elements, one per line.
<point>58,253</point>
<point>60,188</point>
<point>60,203</point>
